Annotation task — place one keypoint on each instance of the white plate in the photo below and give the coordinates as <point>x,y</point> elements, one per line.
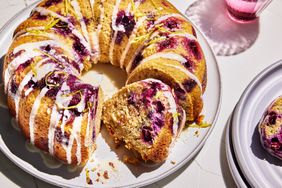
<point>123,175</point>
<point>259,168</point>
<point>231,159</point>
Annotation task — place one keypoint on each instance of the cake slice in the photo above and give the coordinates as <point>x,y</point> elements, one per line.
<point>146,117</point>
<point>270,129</point>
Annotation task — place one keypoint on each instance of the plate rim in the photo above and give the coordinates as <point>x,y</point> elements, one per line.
<point>236,119</point>
<point>176,167</point>
<point>235,170</point>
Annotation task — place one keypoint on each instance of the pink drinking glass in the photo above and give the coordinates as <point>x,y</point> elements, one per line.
<point>245,10</point>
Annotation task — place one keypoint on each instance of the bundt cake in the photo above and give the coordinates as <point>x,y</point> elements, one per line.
<point>61,39</point>
<point>270,129</point>
<point>146,117</point>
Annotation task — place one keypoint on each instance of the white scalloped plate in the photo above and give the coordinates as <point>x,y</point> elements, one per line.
<point>122,175</point>
<point>260,168</point>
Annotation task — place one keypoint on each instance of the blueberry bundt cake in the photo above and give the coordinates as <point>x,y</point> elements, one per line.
<point>146,117</point>
<point>62,39</point>
<point>270,129</point>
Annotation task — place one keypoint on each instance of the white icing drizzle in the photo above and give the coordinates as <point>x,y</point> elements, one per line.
<point>66,117</point>
<point>87,141</point>
<point>165,55</point>
<point>28,54</point>
<point>46,12</point>
<point>41,72</point>
<point>34,111</point>
<point>91,37</point>
<point>95,41</point>
<point>188,73</point>
<point>165,17</point>
<point>186,35</point>
<point>129,65</point>
<point>158,21</point>
<point>176,57</point>
<point>54,120</point>
<point>115,29</point>
<point>75,135</point>
<point>172,110</point>
<point>92,4</point>
<point>79,15</point>
<point>111,50</point>
<point>99,27</point>
<point>114,18</point>
<point>133,35</point>
<point>70,52</point>
<point>23,32</point>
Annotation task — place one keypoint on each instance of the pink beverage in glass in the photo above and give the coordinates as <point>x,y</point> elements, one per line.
<point>245,10</point>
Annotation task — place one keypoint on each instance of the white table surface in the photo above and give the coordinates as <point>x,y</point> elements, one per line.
<point>209,168</point>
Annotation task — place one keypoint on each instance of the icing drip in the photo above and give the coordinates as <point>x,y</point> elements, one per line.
<point>152,27</point>
<point>30,76</point>
<point>88,140</point>
<point>34,111</point>
<point>29,53</point>
<point>55,119</point>
<point>176,57</point>
<point>186,35</point>
<point>114,18</point>
<point>188,73</point>
<point>133,35</point>
<point>172,110</point>
<point>92,4</point>
<point>115,28</point>
<point>46,12</point>
<point>163,18</point>
<point>168,55</point>
<point>78,13</point>
<point>99,27</point>
<point>75,135</point>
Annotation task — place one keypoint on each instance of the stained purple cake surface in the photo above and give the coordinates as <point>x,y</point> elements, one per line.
<point>270,129</point>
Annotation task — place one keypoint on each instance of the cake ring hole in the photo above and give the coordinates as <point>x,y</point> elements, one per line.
<point>109,77</point>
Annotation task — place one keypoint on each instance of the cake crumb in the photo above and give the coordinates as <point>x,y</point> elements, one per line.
<point>173,162</point>
<point>92,161</point>
<point>106,175</point>
<point>93,169</point>
<point>200,119</point>
<point>130,160</point>
<point>197,134</point>
<point>88,179</point>
<point>111,164</point>
<point>97,180</point>
<point>98,174</point>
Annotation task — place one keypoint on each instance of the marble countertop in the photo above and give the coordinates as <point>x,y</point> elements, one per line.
<point>209,168</point>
